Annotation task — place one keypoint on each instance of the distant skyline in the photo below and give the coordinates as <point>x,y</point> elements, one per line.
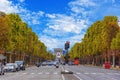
<point>58,21</point>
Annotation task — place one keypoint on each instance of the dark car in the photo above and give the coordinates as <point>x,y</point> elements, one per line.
<point>21,64</point>
<point>38,64</point>
<point>1,69</point>
<point>71,63</point>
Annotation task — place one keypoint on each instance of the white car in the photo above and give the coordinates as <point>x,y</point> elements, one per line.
<point>10,67</point>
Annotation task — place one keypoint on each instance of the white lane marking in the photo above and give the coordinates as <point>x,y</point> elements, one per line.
<point>63,78</point>
<point>24,73</point>
<point>62,68</point>
<point>47,73</point>
<point>55,73</point>
<point>77,77</point>
<point>32,73</point>
<point>93,73</point>
<point>40,73</point>
<point>100,73</point>
<point>78,73</point>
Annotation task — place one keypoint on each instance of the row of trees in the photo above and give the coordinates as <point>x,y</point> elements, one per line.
<point>16,37</point>
<point>102,39</point>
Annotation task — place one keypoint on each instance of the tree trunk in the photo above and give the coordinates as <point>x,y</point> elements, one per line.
<point>113,59</point>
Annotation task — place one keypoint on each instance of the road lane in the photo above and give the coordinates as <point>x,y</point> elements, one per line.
<point>35,73</point>
<point>94,73</point>
<point>70,77</point>
<point>53,73</point>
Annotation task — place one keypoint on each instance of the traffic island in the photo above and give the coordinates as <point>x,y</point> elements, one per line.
<point>66,72</point>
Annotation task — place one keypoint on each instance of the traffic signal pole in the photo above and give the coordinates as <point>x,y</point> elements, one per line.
<point>65,71</point>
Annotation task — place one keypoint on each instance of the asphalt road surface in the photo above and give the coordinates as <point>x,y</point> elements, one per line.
<point>53,73</point>
<point>94,73</point>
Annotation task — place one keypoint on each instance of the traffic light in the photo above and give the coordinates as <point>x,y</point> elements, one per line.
<point>67,45</point>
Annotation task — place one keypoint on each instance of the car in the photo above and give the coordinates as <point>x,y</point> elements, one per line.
<point>50,63</point>
<point>10,67</point>
<point>63,62</point>
<point>21,64</point>
<point>71,63</point>
<point>56,64</point>
<point>38,64</point>
<point>44,63</point>
<point>2,71</point>
<point>17,66</point>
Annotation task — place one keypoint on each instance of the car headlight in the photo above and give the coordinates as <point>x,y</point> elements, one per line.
<point>21,65</point>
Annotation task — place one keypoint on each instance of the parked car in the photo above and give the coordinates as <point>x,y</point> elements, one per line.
<point>21,64</point>
<point>2,71</point>
<point>17,66</point>
<point>38,64</point>
<point>10,67</point>
<point>44,63</point>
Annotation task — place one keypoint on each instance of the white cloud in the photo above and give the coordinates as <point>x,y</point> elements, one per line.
<point>8,6</point>
<point>75,39</point>
<point>64,23</point>
<point>85,3</point>
<point>78,6</point>
<point>51,43</point>
<point>50,15</point>
<point>28,16</point>
<point>32,18</point>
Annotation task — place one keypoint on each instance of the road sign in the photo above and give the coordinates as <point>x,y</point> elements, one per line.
<point>58,55</point>
<point>58,52</point>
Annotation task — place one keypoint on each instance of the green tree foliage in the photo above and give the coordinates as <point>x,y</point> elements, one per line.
<point>4,30</point>
<point>98,38</point>
<point>115,44</point>
<point>17,37</point>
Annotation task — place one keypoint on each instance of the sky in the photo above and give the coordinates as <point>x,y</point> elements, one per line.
<point>58,21</point>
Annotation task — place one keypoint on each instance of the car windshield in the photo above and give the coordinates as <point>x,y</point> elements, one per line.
<point>9,64</point>
<point>19,62</point>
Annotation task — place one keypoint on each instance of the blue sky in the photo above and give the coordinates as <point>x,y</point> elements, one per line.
<point>58,21</point>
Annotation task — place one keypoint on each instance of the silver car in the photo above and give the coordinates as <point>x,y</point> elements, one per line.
<point>10,67</point>
<point>17,67</point>
<point>2,69</point>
